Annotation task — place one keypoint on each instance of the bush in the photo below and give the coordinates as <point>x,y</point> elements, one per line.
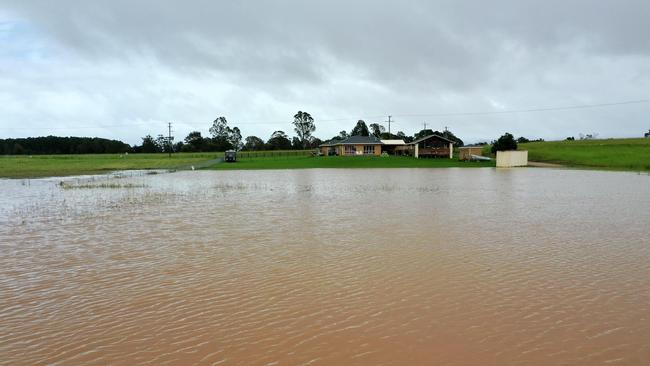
<point>504,143</point>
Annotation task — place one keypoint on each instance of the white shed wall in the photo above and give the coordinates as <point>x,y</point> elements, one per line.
<point>509,159</point>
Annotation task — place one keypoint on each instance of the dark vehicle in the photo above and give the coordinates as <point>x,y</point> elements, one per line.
<point>230,156</point>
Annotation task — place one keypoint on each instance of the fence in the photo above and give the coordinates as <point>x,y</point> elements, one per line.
<point>274,154</point>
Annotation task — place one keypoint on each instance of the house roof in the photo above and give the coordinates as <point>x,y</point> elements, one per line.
<point>430,136</point>
<point>393,142</point>
<point>354,140</point>
<point>368,140</point>
<point>330,143</point>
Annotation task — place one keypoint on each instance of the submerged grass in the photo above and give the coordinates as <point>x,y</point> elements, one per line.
<point>614,154</point>
<point>22,166</point>
<point>66,185</point>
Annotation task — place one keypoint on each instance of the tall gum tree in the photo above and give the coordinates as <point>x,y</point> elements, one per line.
<point>304,126</point>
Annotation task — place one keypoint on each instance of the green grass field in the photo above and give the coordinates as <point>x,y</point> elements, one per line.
<point>65,165</point>
<point>612,154</point>
<point>310,162</point>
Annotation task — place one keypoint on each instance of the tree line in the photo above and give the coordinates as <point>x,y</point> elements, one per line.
<point>221,137</point>
<point>62,145</point>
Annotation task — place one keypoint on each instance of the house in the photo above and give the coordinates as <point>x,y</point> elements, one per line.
<point>393,147</point>
<point>432,146</point>
<point>428,146</point>
<point>352,146</point>
<point>328,147</point>
<point>647,135</point>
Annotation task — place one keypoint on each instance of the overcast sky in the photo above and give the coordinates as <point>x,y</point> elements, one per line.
<point>122,69</point>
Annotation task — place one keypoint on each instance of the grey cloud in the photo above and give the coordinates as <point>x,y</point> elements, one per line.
<point>345,58</point>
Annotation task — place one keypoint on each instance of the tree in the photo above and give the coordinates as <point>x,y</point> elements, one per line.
<point>341,136</point>
<point>423,133</point>
<point>522,140</point>
<point>219,128</point>
<point>315,142</point>
<point>164,143</point>
<point>360,129</point>
<point>254,143</point>
<point>179,146</point>
<point>194,142</point>
<point>377,129</point>
<point>446,134</point>
<point>450,136</point>
<point>149,145</point>
<point>234,137</point>
<point>279,141</point>
<point>504,143</point>
<point>402,136</point>
<point>221,135</point>
<point>63,145</point>
<point>304,126</point>
<point>296,144</point>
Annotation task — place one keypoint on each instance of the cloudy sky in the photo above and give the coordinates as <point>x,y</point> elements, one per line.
<point>122,69</point>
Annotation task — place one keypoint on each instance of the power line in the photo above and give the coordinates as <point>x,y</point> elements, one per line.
<point>545,109</point>
<point>457,114</point>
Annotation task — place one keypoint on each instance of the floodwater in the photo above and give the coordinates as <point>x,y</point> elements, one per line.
<point>328,267</point>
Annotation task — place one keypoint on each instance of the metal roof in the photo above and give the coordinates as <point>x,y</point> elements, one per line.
<point>354,140</point>
<point>428,137</point>
<point>361,140</point>
<point>393,142</point>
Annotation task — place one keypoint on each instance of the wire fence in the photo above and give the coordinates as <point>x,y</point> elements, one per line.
<point>274,154</point>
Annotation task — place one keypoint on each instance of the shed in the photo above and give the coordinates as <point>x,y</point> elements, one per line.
<point>392,147</point>
<point>433,146</point>
<point>512,158</point>
<point>466,152</point>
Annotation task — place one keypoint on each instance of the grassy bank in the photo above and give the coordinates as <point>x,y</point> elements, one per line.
<point>614,154</point>
<point>66,165</point>
<point>309,162</point>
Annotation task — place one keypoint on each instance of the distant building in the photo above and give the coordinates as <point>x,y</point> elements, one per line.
<point>352,146</point>
<point>393,147</point>
<point>428,146</point>
<point>432,146</point>
<point>467,152</point>
<point>647,135</point>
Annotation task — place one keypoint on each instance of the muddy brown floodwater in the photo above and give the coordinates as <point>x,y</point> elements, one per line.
<point>328,267</point>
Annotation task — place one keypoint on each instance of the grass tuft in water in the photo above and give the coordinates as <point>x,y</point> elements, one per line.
<point>66,185</point>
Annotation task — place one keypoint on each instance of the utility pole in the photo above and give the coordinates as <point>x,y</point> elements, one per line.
<point>425,125</point>
<point>389,121</point>
<point>169,139</point>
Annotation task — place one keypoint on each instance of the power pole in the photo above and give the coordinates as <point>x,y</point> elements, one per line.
<point>389,121</point>
<point>425,125</point>
<point>169,139</point>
